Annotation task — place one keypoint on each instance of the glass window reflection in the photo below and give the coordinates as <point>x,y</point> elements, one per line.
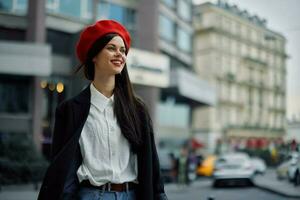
<point>14,94</point>
<point>184,40</point>
<point>169,3</point>
<point>184,10</point>
<point>124,15</point>
<point>6,5</point>
<point>167,110</point>
<point>111,11</point>
<point>70,7</point>
<point>14,6</point>
<point>166,28</point>
<point>21,6</point>
<point>74,8</point>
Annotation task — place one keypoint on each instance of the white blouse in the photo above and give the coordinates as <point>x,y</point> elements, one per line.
<point>105,151</point>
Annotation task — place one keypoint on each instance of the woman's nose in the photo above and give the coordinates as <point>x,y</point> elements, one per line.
<point>118,53</point>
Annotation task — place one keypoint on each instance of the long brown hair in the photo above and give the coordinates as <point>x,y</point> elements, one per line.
<point>127,106</point>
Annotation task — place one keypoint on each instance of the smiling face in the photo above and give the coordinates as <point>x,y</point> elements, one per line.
<point>111,59</point>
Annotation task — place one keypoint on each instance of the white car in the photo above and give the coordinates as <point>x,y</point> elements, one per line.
<point>287,169</point>
<point>233,168</point>
<point>292,168</point>
<point>259,165</point>
<point>296,175</point>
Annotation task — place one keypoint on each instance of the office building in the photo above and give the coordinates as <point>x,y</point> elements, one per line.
<point>37,56</point>
<point>246,62</point>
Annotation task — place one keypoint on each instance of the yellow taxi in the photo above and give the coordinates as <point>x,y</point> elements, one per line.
<point>206,168</point>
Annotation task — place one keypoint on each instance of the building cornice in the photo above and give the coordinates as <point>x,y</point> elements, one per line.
<point>241,19</point>
<point>222,32</point>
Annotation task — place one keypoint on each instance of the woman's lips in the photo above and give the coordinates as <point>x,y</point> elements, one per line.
<point>117,62</point>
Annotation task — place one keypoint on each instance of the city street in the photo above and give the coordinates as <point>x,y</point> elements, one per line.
<point>133,95</point>
<point>202,190</point>
<point>198,190</point>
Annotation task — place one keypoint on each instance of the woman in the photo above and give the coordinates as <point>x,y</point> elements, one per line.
<point>103,142</point>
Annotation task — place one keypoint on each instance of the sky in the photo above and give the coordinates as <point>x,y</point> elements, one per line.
<point>282,16</point>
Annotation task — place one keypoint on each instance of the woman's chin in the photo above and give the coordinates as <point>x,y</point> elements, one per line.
<point>118,70</point>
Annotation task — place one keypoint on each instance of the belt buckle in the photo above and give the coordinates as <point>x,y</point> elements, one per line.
<point>127,186</point>
<point>108,187</point>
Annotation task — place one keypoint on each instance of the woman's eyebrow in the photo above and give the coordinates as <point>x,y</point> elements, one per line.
<point>115,45</point>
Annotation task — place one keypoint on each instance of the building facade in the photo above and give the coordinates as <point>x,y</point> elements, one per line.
<point>174,38</point>
<point>246,62</point>
<point>37,56</point>
<point>293,131</point>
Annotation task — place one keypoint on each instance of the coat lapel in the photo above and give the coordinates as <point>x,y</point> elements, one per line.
<point>81,109</point>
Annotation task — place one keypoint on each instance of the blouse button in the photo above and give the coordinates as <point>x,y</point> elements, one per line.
<point>112,128</point>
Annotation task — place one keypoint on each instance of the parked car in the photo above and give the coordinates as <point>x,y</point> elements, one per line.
<point>293,166</point>
<point>287,168</point>
<point>282,170</point>
<point>206,168</point>
<point>296,177</point>
<point>259,165</point>
<point>232,169</point>
<point>294,170</point>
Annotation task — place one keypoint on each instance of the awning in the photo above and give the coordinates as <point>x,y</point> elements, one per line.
<point>196,144</point>
<point>191,88</point>
<point>25,58</point>
<point>148,68</point>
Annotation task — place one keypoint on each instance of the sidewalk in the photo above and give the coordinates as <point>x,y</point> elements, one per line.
<point>174,187</point>
<point>269,182</point>
<point>18,192</point>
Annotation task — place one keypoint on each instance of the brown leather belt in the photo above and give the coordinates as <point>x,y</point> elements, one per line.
<point>111,186</point>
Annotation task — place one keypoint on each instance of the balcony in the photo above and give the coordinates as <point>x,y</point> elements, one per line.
<point>253,61</point>
<point>25,58</point>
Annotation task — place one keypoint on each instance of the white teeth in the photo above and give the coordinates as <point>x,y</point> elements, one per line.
<point>116,62</point>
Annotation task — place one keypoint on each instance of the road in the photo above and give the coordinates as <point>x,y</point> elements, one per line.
<point>199,190</point>
<point>202,190</point>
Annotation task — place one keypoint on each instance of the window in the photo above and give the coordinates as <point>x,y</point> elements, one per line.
<point>14,94</point>
<point>254,36</point>
<point>60,42</point>
<point>15,6</point>
<point>52,5</point>
<point>6,5</point>
<point>169,3</point>
<point>74,8</point>
<point>70,7</point>
<point>168,109</point>
<point>21,6</point>
<point>254,52</point>
<point>110,11</point>
<point>124,15</point>
<point>243,31</point>
<point>226,24</point>
<point>87,9</point>
<point>184,10</point>
<point>184,40</point>
<point>166,28</point>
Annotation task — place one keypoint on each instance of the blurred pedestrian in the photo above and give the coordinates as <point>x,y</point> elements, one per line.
<point>192,165</point>
<point>103,142</point>
<point>174,167</point>
<point>183,167</point>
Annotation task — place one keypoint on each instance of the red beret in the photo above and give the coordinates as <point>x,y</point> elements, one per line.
<point>93,32</point>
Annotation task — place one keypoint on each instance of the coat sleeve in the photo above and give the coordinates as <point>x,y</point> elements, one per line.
<point>159,191</point>
<point>59,130</point>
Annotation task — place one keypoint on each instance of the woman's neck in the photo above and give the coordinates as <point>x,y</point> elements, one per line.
<point>105,85</point>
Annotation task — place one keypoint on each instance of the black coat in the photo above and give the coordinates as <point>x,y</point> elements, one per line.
<point>61,182</point>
